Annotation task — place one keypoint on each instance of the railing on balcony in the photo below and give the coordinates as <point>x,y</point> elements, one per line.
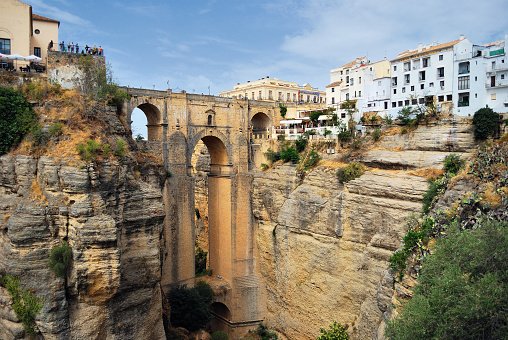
<point>463,56</point>
<point>497,83</point>
<point>461,104</point>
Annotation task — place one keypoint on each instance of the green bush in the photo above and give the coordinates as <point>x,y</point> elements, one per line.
<point>452,163</point>
<point>351,171</point>
<point>435,188</point>
<point>264,166</point>
<point>283,110</point>
<point>388,119</point>
<point>405,115</point>
<point>398,262</point>
<point>345,136</point>
<point>462,289</point>
<point>219,336</point>
<point>301,144</point>
<point>376,134</point>
<point>90,151</point>
<point>24,303</point>
<point>312,159</point>
<point>200,260</point>
<point>335,332</point>
<point>120,148</point>
<point>16,118</point>
<point>60,259</point>
<point>189,309</point>
<point>289,154</point>
<point>486,123</point>
<point>56,129</point>
<point>272,155</point>
<point>264,333</point>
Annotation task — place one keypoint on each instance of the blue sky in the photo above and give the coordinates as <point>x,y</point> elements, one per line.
<point>193,45</point>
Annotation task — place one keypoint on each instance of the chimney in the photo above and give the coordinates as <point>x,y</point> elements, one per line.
<point>420,46</point>
<point>461,37</point>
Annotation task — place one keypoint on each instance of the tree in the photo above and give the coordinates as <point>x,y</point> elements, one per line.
<point>314,116</point>
<point>486,123</point>
<point>335,332</point>
<point>283,110</point>
<point>60,259</point>
<point>189,308</point>
<point>462,291</point>
<point>16,118</point>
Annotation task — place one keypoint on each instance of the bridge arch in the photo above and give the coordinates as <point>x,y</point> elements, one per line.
<point>154,120</point>
<point>218,146</point>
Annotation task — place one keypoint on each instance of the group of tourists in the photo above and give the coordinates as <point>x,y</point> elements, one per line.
<point>74,48</point>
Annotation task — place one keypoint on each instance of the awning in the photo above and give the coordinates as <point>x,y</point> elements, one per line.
<point>325,117</point>
<point>293,121</point>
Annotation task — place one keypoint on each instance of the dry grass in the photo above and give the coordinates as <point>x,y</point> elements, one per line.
<point>36,193</point>
<point>491,196</point>
<point>397,149</point>
<point>429,173</point>
<point>395,130</point>
<point>332,163</point>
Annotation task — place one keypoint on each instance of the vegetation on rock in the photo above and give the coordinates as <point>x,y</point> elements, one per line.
<point>219,336</point>
<point>486,123</point>
<point>351,171</point>
<point>24,303</point>
<point>190,307</point>
<point>335,332</point>
<point>264,333</point>
<point>16,118</point>
<point>60,259</point>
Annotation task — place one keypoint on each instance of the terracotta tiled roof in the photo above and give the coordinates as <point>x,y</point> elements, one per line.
<point>410,53</point>
<point>41,18</point>
<point>337,83</point>
<point>351,64</point>
<point>494,44</point>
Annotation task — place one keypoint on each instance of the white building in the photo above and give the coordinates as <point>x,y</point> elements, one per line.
<point>422,76</point>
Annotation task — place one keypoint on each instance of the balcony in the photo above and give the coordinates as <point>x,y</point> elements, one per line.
<point>497,83</point>
<point>464,71</point>
<point>461,104</point>
<point>498,67</point>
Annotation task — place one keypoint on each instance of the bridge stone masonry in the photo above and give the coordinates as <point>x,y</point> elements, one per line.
<point>236,133</point>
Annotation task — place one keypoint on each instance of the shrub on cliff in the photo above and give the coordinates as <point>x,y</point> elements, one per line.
<point>24,303</point>
<point>60,259</point>
<point>351,171</point>
<point>289,154</point>
<point>190,307</point>
<point>335,332</point>
<point>486,123</point>
<point>16,118</point>
<point>462,292</point>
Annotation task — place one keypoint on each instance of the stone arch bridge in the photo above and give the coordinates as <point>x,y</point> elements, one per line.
<point>236,133</point>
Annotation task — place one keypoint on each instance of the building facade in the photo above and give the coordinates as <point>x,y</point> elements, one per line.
<point>276,90</point>
<point>25,33</point>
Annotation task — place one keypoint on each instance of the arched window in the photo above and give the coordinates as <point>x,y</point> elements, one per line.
<point>210,119</point>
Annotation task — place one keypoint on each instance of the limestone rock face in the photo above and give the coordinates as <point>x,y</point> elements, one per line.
<point>113,223</point>
<point>323,246</point>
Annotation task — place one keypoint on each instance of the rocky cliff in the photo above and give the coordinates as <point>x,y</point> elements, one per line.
<point>110,212</point>
<point>323,246</point>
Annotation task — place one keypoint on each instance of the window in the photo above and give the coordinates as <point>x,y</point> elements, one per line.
<point>253,96</point>
<point>210,119</point>
<point>270,94</point>
<point>463,83</point>
<point>425,62</point>
<point>421,76</point>
<point>493,96</point>
<point>379,83</point>
<point>464,68</point>
<point>422,86</point>
<point>412,88</point>
<point>407,66</point>
<point>369,105</point>
<point>37,31</point>
<point>386,105</point>
<point>449,97</point>
<point>431,85</point>
<point>414,101</point>
<point>259,97</point>
<point>440,57</point>
<point>294,97</point>
<point>355,94</point>
<point>400,103</point>
<point>502,76</point>
<point>347,96</point>
<point>342,115</point>
<point>359,93</point>
<point>440,72</point>
<point>359,80</point>
<point>288,96</point>
<point>333,89</point>
<point>441,83</point>
<point>403,90</point>
<point>347,79</point>
<point>352,81</point>
<point>463,99</point>
<point>341,72</point>
<point>394,91</point>
<point>280,96</point>
<point>406,102</point>
<point>347,71</point>
<point>394,81</point>
<point>407,78</point>
<point>475,78</point>
<point>5,46</point>
<point>394,104</point>
<point>37,51</point>
<point>333,100</point>
<point>395,68</point>
<point>440,98</point>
